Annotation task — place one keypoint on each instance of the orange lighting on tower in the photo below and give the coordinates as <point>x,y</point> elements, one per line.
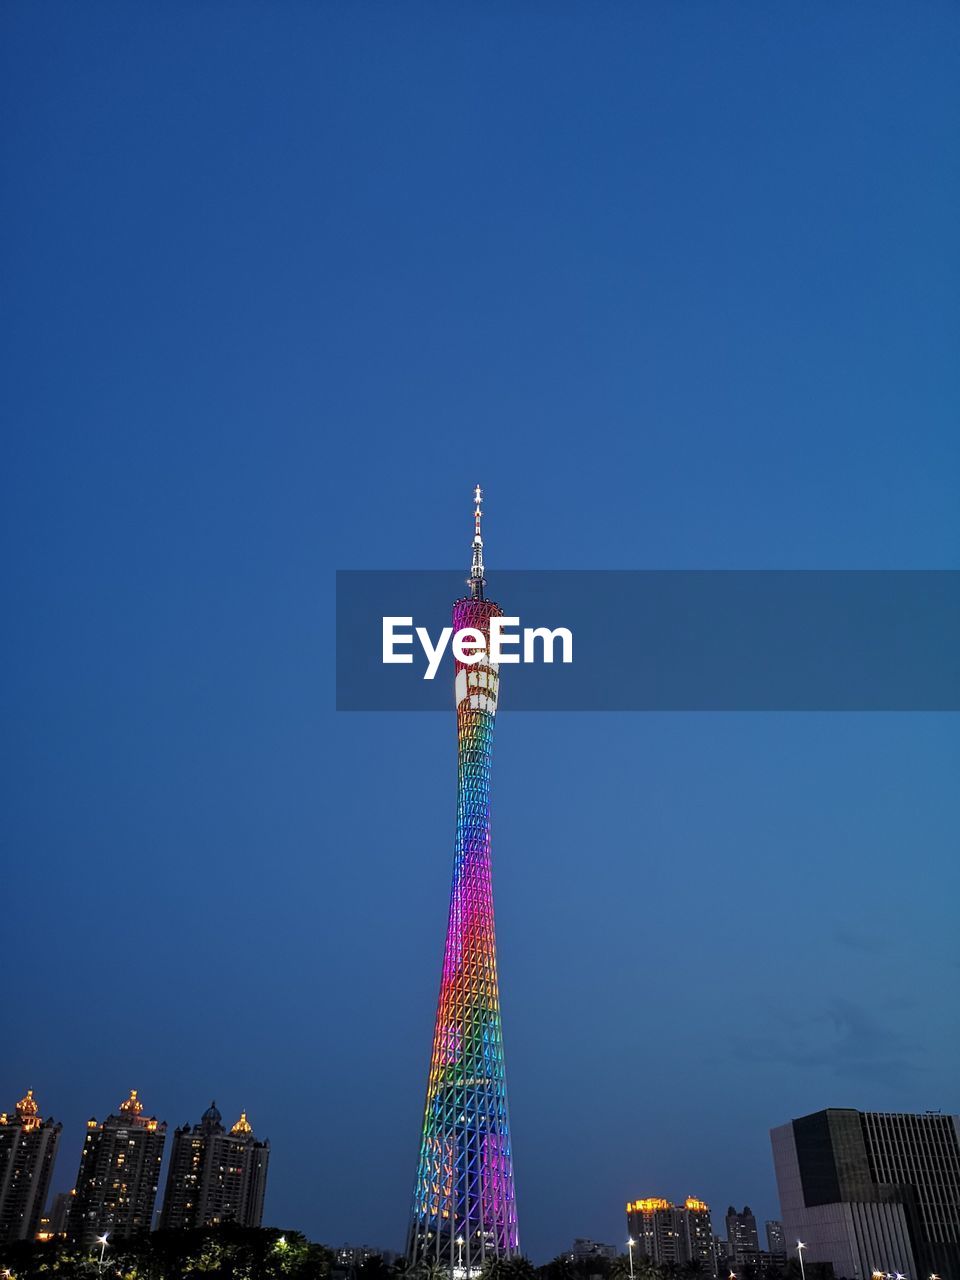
<point>243,1125</point>
<point>695,1205</point>
<point>28,1112</point>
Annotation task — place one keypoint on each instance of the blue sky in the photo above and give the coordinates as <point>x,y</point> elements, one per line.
<point>678,284</point>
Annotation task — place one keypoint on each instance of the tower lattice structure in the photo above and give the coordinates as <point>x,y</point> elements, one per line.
<point>464,1207</point>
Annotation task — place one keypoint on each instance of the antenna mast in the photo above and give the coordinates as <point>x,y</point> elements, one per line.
<point>477,579</point>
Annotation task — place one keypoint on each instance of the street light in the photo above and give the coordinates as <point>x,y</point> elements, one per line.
<point>460,1254</point>
<point>102,1242</point>
<point>800,1248</point>
<point>630,1244</point>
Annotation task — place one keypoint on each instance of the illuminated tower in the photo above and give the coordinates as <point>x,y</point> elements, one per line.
<point>464,1207</point>
<point>28,1148</point>
<point>215,1176</point>
<point>672,1234</point>
<point>119,1172</point>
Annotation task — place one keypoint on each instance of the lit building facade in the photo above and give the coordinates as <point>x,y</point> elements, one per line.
<point>215,1176</point>
<point>672,1234</point>
<point>464,1204</point>
<point>742,1237</point>
<point>28,1149</point>
<point>119,1172</point>
<point>53,1224</point>
<point>872,1191</point>
<point>776,1241</point>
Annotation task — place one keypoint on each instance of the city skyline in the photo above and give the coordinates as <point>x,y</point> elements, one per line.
<point>869,1192</point>
<point>168,1209</point>
<point>677,284</point>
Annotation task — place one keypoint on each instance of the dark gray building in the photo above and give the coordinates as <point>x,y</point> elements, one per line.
<point>742,1237</point>
<point>586,1250</point>
<point>872,1191</point>
<point>118,1177</point>
<point>215,1176</point>
<point>776,1240</point>
<point>28,1148</point>
<point>53,1224</point>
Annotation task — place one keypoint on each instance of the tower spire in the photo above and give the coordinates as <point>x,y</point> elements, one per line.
<point>477,579</point>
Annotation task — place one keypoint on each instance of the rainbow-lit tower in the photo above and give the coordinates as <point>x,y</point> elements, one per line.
<point>464,1207</point>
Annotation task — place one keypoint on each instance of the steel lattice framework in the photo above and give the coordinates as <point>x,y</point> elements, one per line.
<point>464,1206</point>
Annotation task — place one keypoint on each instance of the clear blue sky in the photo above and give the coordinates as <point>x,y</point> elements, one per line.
<point>679,283</point>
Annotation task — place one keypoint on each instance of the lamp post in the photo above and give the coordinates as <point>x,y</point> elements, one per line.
<point>800,1248</point>
<point>630,1244</point>
<point>460,1254</point>
<point>102,1242</point>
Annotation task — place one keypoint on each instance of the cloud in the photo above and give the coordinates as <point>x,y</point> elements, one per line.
<point>869,941</point>
<point>844,1037</point>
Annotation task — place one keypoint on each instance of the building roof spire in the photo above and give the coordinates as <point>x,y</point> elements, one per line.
<point>477,579</point>
<point>28,1112</point>
<point>133,1105</point>
<point>243,1125</point>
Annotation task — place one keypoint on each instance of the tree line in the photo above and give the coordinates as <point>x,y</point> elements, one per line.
<point>243,1253</point>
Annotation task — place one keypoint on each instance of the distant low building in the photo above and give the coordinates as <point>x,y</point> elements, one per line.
<point>53,1224</point>
<point>215,1177</point>
<point>350,1256</point>
<point>585,1250</point>
<point>119,1172</point>
<point>28,1149</point>
<point>670,1234</point>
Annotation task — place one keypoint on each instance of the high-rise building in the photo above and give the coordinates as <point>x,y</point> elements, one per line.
<point>464,1205</point>
<point>872,1191</point>
<point>118,1176</point>
<point>672,1234</point>
<point>28,1148</point>
<point>742,1237</point>
<point>215,1176</point>
<point>53,1224</point>
<point>776,1241</point>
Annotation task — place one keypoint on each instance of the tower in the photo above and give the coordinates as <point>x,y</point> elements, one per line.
<point>119,1171</point>
<point>215,1176</point>
<point>28,1148</point>
<point>464,1206</point>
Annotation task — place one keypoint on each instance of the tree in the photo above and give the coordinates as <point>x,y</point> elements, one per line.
<point>559,1268</point>
<point>508,1269</point>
